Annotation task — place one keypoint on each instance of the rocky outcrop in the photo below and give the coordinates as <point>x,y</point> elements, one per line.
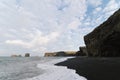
<point>82,51</point>
<point>105,39</point>
<point>66,53</point>
<point>14,55</point>
<point>48,54</point>
<point>27,55</point>
<point>60,53</point>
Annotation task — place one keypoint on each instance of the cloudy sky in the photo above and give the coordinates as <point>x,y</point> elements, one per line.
<point>38,26</point>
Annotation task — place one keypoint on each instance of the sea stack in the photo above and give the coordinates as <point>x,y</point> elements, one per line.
<point>105,39</point>
<point>27,55</point>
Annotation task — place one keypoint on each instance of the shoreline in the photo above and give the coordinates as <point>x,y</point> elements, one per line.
<point>54,72</point>
<point>95,68</point>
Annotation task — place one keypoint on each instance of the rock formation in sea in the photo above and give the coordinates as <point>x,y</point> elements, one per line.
<point>27,54</point>
<point>105,39</point>
<point>14,55</point>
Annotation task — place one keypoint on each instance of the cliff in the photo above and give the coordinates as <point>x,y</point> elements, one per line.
<point>49,54</point>
<point>105,39</point>
<point>82,51</point>
<point>60,53</point>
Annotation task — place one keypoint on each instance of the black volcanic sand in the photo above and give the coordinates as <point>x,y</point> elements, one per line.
<point>95,68</point>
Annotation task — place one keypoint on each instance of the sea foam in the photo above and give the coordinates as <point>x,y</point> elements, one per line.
<point>53,72</point>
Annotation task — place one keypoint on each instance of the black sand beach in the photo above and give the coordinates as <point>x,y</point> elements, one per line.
<point>95,68</point>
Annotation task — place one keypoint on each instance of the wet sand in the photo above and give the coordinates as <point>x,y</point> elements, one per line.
<point>95,68</point>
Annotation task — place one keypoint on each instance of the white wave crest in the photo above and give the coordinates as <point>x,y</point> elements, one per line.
<point>56,72</point>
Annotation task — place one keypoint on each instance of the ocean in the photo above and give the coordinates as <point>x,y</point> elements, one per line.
<point>35,68</point>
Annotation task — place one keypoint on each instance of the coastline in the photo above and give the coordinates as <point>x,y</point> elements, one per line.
<point>54,72</point>
<point>94,68</point>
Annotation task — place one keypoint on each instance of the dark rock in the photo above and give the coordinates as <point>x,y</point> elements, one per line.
<point>60,54</point>
<point>66,53</point>
<point>105,39</point>
<point>16,55</point>
<point>27,55</point>
<point>50,54</point>
<point>82,51</point>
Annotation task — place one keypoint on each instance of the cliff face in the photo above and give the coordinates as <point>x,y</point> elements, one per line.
<point>60,53</point>
<point>82,51</point>
<point>50,54</point>
<point>105,39</point>
<point>66,53</point>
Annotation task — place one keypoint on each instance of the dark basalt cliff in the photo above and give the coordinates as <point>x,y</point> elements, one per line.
<point>105,39</point>
<point>82,51</point>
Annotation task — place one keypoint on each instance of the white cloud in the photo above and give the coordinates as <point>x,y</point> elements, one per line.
<point>17,42</point>
<point>111,7</point>
<point>48,25</point>
<point>41,25</point>
<point>97,10</point>
<point>94,3</point>
<point>74,25</point>
<point>101,13</point>
<point>43,40</point>
<point>36,41</point>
